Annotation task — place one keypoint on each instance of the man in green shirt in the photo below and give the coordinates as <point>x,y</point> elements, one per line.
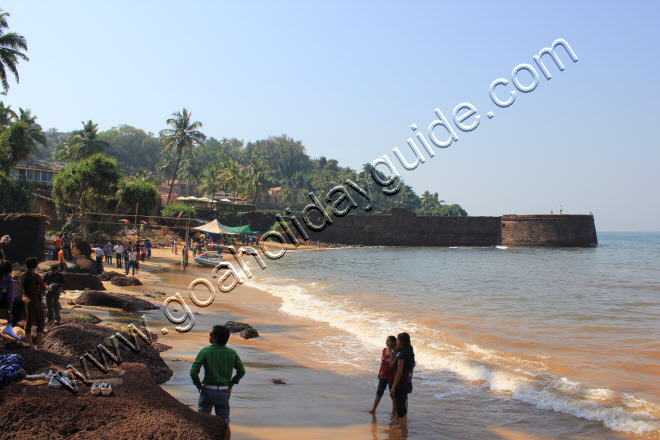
<point>219,363</point>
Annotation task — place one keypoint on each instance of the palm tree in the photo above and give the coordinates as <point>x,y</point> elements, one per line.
<point>65,150</point>
<point>35,132</point>
<point>231,175</point>
<point>87,141</point>
<point>182,136</point>
<point>82,144</point>
<point>211,178</point>
<point>7,115</point>
<point>285,196</point>
<point>192,167</point>
<point>11,45</point>
<point>256,178</point>
<point>144,175</point>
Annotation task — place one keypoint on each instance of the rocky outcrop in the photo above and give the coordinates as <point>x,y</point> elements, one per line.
<point>81,281</point>
<point>80,338</point>
<point>119,279</point>
<point>138,407</point>
<point>115,300</point>
<point>237,327</point>
<point>81,253</point>
<point>249,333</point>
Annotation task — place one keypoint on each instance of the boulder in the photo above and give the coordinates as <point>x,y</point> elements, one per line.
<point>249,333</point>
<point>77,318</point>
<point>119,279</point>
<point>76,339</point>
<point>115,300</point>
<point>81,281</point>
<point>85,265</point>
<point>236,327</point>
<point>81,253</point>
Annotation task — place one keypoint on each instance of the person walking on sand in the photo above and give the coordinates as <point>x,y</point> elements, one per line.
<point>98,251</point>
<point>386,373</point>
<point>119,253</point>
<point>33,288</point>
<point>58,244</point>
<point>404,363</point>
<point>131,262</point>
<point>67,241</point>
<point>107,250</point>
<point>61,261</point>
<point>219,363</point>
<point>172,243</point>
<point>54,280</point>
<point>176,247</point>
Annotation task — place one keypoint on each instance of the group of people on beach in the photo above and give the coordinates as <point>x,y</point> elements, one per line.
<point>25,297</point>
<point>396,371</point>
<point>128,256</point>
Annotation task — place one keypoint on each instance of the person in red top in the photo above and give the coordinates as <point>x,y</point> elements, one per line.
<point>386,373</point>
<point>60,260</point>
<point>58,244</point>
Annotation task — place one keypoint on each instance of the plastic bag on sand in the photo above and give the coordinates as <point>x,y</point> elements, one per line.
<point>71,294</point>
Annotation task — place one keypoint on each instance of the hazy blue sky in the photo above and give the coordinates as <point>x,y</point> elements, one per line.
<point>348,79</point>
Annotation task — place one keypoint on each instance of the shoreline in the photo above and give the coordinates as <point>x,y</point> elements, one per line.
<point>343,392</point>
<point>323,398</point>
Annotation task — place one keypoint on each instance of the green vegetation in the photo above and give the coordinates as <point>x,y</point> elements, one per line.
<point>15,195</point>
<point>82,144</point>
<point>174,211</point>
<point>133,192</point>
<point>87,184</point>
<point>11,45</point>
<point>219,168</point>
<point>180,138</point>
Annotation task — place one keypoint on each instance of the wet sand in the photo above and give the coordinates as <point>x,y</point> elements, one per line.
<point>324,396</point>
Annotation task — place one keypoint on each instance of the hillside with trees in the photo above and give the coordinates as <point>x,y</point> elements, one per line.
<point>119,166</point>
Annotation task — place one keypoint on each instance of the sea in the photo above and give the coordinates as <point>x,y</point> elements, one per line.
<point>540,342</point>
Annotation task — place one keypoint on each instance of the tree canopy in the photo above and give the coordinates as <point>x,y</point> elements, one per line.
<point>86,184</point>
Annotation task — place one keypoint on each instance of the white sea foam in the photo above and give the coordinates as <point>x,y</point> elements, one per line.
<point>503,373</point>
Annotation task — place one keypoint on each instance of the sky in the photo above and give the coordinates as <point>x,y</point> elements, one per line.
<point>348,79</point>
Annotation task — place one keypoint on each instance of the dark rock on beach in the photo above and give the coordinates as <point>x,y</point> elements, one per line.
<point>81,281</point>
<point>119,279</point>
<point>81,253</point>
<point>138,407</point>
<point>116,300</point>
<point>77,339</point>
<point>249,333</point>
<point>236,327</point>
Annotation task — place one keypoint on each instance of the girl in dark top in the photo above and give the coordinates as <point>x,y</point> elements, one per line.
<point>404,363</point>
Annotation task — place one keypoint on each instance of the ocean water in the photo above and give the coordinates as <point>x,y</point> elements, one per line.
<point>567,335</point>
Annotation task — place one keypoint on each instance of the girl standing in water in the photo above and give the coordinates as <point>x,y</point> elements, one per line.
<point>386,373</point>
<point>404,363</point>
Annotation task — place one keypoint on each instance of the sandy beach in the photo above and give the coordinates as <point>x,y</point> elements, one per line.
<point>325,395</point>
<point>320,399</point>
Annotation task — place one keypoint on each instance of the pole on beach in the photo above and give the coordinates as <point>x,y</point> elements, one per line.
<point>185,247</point>
<point>137,205</point>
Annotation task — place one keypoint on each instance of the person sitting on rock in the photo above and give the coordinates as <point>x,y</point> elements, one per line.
<point>7,296</point>
<point>33,288</point>
<point>54,280</point>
